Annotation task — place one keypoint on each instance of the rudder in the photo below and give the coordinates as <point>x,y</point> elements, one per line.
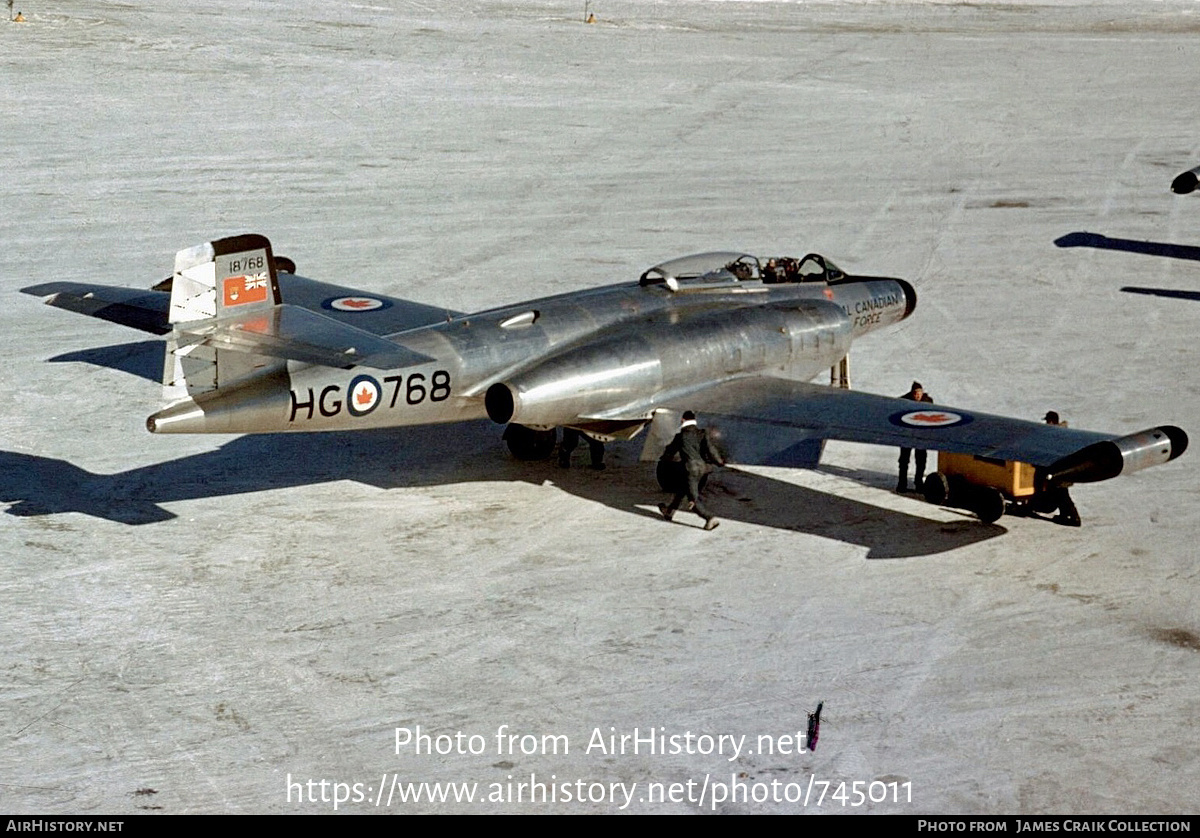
<point>230,276</point>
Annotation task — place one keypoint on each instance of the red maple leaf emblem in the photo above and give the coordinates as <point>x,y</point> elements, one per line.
<point>364,396</point>
<point>929,417</point>
<point>358,303</point>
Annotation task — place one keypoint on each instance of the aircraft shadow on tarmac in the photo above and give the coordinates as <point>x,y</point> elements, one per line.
<point>142,358</point>
<point>446,455</point>
<point>1169,251</point>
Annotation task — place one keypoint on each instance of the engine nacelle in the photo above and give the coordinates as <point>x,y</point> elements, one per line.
<point>1104,460</point>
<point>794,341</point>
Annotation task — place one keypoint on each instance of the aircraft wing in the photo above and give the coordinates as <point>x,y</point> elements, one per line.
<point>148,310</point>
<point>767,406</point>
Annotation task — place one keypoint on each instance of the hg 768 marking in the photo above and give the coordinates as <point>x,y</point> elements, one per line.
<point>364,394</point>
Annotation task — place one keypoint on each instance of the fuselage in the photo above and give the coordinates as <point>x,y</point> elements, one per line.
<point>592,353</point>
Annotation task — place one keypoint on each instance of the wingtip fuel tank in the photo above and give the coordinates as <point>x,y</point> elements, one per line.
<point>1110,458</point>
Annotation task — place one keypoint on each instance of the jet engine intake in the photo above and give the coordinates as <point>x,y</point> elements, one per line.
<point>500,403</point>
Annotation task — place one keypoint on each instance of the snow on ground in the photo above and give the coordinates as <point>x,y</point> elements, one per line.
<point>191,622</point>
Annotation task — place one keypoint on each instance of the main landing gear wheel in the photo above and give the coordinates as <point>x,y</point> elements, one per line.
<point>529,443</point>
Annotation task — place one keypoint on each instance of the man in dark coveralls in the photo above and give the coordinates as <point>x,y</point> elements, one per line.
<point>1067,515</point>
<point>698,457</point>
<point>915,393</point>
<point>570,441</point>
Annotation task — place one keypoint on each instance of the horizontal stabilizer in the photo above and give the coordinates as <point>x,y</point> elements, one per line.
<point>366,310</point>
<point>144,310</point>
<point>297,334</point>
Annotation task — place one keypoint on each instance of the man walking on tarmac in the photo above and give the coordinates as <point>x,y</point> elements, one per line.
<point>691,444</point>
<point>915,393</point>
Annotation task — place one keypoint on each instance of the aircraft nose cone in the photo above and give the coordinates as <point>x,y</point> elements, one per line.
<point>910,296</point>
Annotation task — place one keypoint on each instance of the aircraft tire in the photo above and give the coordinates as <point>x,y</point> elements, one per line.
<point>936,488</point>
<point>959,492</point>
<point>988,504</point>
<point>529,443</point>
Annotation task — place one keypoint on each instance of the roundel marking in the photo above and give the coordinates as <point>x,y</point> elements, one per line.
<point>364,395</point>
<point>360,303</point>
<point>929,418</point>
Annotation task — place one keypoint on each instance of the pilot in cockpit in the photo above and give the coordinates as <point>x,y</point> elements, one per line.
<point>741,270</point>
<point>791,270</point>
<point>771,272</point>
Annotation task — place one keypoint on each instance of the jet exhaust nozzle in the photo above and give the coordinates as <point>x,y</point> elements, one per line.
<point>500,403</point>
<point>1105,460</point>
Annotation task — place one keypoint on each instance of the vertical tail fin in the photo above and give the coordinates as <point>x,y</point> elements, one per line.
<point>234,275</point>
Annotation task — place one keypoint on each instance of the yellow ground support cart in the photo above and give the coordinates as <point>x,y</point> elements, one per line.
<point>985,485</point>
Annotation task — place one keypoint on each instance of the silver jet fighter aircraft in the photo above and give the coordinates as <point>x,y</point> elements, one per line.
<point>251,347</point>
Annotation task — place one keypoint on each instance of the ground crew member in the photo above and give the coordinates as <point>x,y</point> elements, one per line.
<point>1058,497</point>
<point>698,457</point>
<point>916,393</point>
<point>570,440</point>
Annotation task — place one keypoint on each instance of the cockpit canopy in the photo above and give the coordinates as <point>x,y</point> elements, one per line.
<point>731,267</point>
<point>714,266</point>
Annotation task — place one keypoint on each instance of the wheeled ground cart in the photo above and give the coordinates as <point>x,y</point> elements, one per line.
<point>984,485</point>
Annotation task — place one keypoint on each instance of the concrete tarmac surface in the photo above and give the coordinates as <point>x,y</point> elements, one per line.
<point>283,624</point>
